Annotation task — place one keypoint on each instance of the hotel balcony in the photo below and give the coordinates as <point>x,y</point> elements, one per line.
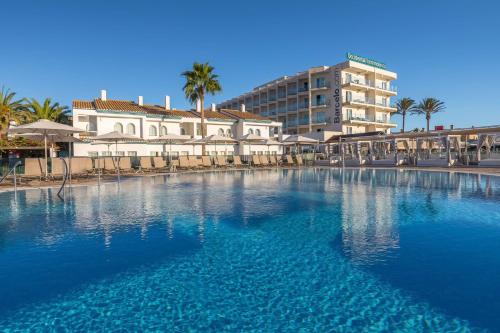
<point>282,109</point>
<point>272,98</point>
<point>321,104</point>
<point>367,120</point>
<point>322,86</point>
<point>303,106</point>
<point>292,92</point>
<point>263,101</point>
<point>291,122</point>
<point>292,107</point>
<point>303,90</point>
<point>368,84</point>
<point>304,121</point>
<point>369,103</point>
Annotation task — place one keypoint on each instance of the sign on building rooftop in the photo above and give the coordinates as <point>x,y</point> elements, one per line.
<point>366,61</point>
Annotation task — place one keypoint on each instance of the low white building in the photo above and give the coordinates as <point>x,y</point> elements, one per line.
<point>149,123</point>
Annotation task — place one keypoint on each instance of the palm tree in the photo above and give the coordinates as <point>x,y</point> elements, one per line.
<point>200,81</point>
<point>48,110</point>
<point>11,110</point>
<point>405,105</point>
<point>428,106</point>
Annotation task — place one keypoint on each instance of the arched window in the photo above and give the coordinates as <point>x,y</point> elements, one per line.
<point>118,128</point>
<point>228,133</point>
<point>152,131</point>
<point>257,131</point>
<point>250,131</point>
<point>183,131</point>
<point>163,131</point>
<point>221,132</point>
<point>131,129</point>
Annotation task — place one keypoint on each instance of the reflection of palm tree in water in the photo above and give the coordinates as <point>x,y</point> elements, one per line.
<point>429,205</point>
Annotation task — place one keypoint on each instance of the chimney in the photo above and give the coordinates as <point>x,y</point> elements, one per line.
<point>243,108</point>
<point>167,102</point>
<point>198,105</point>
<point>103,95</point>
<point>212,107</point>
<point>140,101</point>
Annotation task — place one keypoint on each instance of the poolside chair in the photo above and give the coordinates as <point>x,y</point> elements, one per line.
<point>159,163</point>
<point>256,160</point>
<point>109,164</point>
<point>194,162</point>
<point>300,162</point>
<point>206,161</point>
<point>57,167</point>
<point>237,161</point>
<point>289,160</point>
<point>82,166</point>
<point>174,164</point>
<point>221,161</point>
<point>264,160</point>
<point>33,168</point>
<point>184,163</point>
<point>125,164</point>
<point>273,160</point>
<point>145,164</point>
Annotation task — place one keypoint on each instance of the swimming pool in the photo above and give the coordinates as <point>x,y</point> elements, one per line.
<point>266,251</point>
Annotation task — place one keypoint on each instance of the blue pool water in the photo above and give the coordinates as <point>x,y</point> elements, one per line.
<point>313,250</point>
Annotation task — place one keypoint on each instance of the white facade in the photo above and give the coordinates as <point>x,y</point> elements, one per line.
<point>151,122</point>
<point>350,97</point>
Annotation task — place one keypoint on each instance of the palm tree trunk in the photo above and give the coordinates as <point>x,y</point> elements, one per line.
<point>428,118</point>
<point>404,117</point>
<point>202,100</point>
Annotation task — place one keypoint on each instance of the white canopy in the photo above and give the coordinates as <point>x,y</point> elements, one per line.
<point>300,139</point>
<point>45,127</point>
<point>115,137</point>
<point>252,138</point>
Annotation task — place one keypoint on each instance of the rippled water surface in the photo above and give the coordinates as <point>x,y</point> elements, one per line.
<point>313,250</point>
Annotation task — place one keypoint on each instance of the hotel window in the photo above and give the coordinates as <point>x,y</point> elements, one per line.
<point>348,96</point>
<point>320,100</point>
<point>152,131</point>
<point>348,78</point>
<point>228,133</point>
<point>163,131</point>
<point>131,153</point>
<point>250,131</point>
<point>257,132</point>
<point>221,132</point>
<point>320,117</point>
<point>349,114</point>
<point>118,128</point>
<point>183,131</point>
<point>131,129</point>
<point>93,154</point>
<point>198,129</point>
<point>320,82</point>
<point>349,130</point>
<point>106,153</point>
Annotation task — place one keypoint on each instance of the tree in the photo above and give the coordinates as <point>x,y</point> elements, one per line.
<point>429,106</point>
<point>404,106</point>
<point>200,81</point>
<point>11,109</point>
<point>48,110</point>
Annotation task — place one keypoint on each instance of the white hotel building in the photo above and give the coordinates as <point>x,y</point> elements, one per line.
<point>351,97</point>
<point>149,123</point>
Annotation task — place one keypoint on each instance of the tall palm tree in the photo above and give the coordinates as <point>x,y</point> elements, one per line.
<point>11,109</point>
<point>429,106</point>
<point>201,81</point>
<point>48,110</point>
<point>404,106</point>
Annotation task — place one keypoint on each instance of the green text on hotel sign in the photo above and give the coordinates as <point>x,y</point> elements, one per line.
<point>365,61</point>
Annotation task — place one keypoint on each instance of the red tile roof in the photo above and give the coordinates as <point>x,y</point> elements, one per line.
<point>242,115</point>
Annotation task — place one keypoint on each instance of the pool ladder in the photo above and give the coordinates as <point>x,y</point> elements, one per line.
<point>12,171</point>
<point>65,178</point>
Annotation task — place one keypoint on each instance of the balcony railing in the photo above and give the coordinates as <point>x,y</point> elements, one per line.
<point>304,105</point>
<point>263,101</point>
<point>318,104</point>
<point>282,109</point>
<point>272,98</point>
<point>369,83</point>
<point>292,122</point>
<point>282,94</point>
<point>292,92</point>
<point>292,107</point>
<point>369,119</point>
<point>272,112</point>
<point>368,101</point>
<point>303,89</point>
<point>322,85</point>
<point>304,121</point>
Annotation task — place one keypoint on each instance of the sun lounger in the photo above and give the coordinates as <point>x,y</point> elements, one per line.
<point>33,168</point>
<point>206,161</point>
<point>145,164</point>
<point>57,167</point>
<point>174,164</point>
<point>273,160</point>
<point>194,162</point>
<point>82,166</point>
<point>264,160</point>
<point>109,164</point>
<point>221,161</point>
<point>125,164</point>
<point>289,160</point>
<point>159,163</point>
<point>300,162</point>
<point>237,161</point>
<point>184,163</point>
<point>256,160</point>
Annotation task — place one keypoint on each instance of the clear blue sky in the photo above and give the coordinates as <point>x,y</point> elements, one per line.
<point>72,49</point>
